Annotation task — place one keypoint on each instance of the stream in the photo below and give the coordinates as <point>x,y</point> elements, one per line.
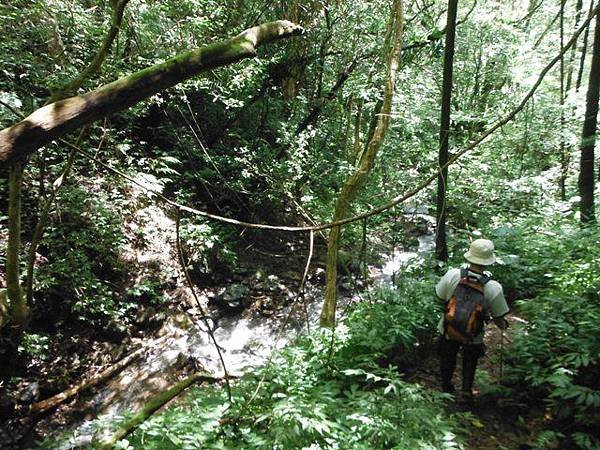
<point>246,340</point>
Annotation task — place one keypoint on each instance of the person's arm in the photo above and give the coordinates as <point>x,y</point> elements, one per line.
<point>498,306</point>
<point>444,287</point>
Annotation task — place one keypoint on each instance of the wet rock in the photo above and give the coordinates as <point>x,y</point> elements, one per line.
<point>232,301</point>
<point>414,208</point>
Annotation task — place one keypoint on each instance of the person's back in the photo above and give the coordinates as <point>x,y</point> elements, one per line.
<point>479,256</point>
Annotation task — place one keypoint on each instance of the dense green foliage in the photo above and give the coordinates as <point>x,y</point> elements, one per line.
<point>272,140</point>
<point>555,354</point>
<point>345,400</point>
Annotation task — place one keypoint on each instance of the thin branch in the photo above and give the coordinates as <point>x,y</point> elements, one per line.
<point>545,32</point>
<point>16,112</point>
<point>199,305</point>
<point>530,13</point>
<point>96,62</point>
<point>305,276</point>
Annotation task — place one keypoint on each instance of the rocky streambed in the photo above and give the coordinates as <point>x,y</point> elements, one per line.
<point>245,332</point>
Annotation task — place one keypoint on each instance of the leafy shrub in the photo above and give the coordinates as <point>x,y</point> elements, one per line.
<point>81,247</point>
<point>398,320</point>
<point>556,353</point>
<point>206,250</point>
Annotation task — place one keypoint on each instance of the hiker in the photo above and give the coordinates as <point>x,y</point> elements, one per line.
<point>471,297</point>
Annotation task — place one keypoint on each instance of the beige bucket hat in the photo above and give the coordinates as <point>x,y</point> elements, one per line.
<point>481,252</point>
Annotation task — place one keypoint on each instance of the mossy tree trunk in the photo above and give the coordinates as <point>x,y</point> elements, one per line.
<point>392,46</point>
<point>16,302</point>
<point>13,308</point>
<point>59,118</point>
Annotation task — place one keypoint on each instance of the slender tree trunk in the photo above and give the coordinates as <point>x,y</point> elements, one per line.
<point>441,246</point>
<point>357,122</point>
<point>578,8</point>
<point>13,309</point>
<point>16,301</point>
<point>392,46</point>
<point>583,51</point>
<point>564,156</point>
<point>588,138</point>
<point>41,224</point>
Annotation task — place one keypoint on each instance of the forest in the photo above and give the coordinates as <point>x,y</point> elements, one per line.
<point>245,224</point>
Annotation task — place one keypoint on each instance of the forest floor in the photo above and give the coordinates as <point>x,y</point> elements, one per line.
<point>495,419</point>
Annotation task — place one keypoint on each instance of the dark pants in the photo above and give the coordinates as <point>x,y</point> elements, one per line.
<point>471,353</point>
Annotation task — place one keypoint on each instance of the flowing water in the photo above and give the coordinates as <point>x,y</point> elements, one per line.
<point>246,340</point>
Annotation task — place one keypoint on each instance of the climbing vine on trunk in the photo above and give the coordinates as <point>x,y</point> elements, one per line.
<point>392,48</point>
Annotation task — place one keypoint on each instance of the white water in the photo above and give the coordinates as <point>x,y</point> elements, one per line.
<point>246,341</point>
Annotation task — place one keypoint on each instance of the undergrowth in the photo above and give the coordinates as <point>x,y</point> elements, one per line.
<point>323,392</point>
<point>555,353</point>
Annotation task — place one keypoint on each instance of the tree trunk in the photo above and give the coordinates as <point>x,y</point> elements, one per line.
<point>16,302</point>
<point>583,51</point>
<point>441,246</point>
<point>59,118</point>
<point>570,68</point>
<point>392,46</point>
<point>13,309</point>
<point>297,12</point>
<point>588,138</point>
<point>564,156</point>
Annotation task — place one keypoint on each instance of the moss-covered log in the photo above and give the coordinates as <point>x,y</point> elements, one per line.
<point>153,405</point>
<point>49,403</point>
<point>61,117</point>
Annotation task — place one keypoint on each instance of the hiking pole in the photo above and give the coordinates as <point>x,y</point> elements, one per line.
<point>501,353</point>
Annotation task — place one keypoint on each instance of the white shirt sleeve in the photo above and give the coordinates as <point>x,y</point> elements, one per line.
<point>447,284</point>
<point>496,300</point>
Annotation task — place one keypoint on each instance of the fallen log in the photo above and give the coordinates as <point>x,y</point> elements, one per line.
<point>45,405</point>
<point>155,404</point>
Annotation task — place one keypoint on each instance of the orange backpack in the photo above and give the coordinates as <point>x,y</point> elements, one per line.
<point>466,311</point>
